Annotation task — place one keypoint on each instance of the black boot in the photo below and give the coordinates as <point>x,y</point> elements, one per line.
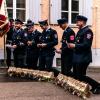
<point>96,90</point>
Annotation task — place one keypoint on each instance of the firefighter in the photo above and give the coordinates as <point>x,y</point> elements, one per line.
<point>9,42</point>
<point>48,41</point>
<point>32,52</point>
<point>18,44</point>
<point>66,53</point>
<point>82,56</point>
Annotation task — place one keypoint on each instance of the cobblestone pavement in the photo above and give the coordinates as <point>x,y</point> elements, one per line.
<point>22,89</point>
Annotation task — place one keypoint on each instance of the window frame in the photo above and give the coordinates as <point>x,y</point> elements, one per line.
<point>14,8</point>
<point>85,9</point>
<point>70,11</point>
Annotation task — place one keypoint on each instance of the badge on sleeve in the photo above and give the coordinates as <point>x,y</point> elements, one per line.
<point>72,37</point>
<point>89,36</point>
<point>25,34</point>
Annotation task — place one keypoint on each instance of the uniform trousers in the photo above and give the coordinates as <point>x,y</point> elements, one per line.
<point>79,72</point>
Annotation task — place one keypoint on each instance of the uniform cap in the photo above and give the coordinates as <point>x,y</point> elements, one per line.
<point>81,18</point>
<point>18,21</point>
<point>43,22</point>
<point>62,21</point>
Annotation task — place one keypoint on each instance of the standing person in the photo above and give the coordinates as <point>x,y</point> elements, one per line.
<point>27,24</point>
<point>18,44</point>
<point>9,42</point>
<point>82,53</point>
<point>48,41</point>
<point>32,38</point>
<point>66,53</point>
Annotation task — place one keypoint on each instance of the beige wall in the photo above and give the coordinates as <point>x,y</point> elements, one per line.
<point>95,22</point>
<point>45,9</point>
<point>1,43</point>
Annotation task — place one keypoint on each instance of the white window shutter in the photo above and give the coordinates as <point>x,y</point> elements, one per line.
<point>34,11</point>
<point>81,7</point>
<point>87,10</point>
<point>55,12</point>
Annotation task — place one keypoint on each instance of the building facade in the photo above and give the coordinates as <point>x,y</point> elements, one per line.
<point>55,9</point>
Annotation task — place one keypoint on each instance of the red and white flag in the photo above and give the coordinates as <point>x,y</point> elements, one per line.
<point>4,25</point>
<point>0,3</point>
<point>3,8</point>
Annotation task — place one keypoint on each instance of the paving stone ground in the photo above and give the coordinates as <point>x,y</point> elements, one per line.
<point>22,89</point>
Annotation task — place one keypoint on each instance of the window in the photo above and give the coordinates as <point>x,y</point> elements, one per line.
<point>70,9</point>
<point>20,9</point>
<point>16,9</point>
<point>10,8</point>
<point>24,9</point>
<point>64,8</point>
<point>74,10</point>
